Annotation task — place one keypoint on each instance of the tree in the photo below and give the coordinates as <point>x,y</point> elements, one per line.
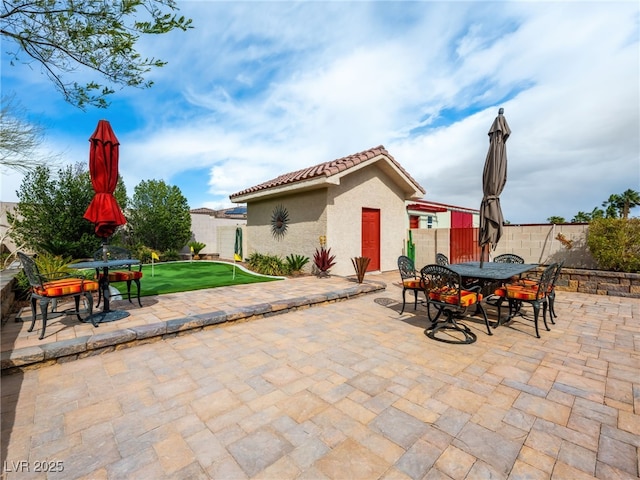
<point>20,139</point>
<point>612,206</point>
<point>615,243</point>
<point>49,213</point>
<point>64,36</point>
<point>581,217</point>
<point>597,212</point>
<point>556,219</point>
<point>159,216</point>
<point>629,199</point>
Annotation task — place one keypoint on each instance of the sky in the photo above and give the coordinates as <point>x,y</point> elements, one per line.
<point>258,89</point>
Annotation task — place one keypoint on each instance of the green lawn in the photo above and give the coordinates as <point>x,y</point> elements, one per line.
<point>172,277</point>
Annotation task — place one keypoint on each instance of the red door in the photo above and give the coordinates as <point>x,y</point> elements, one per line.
<point>371,237</point>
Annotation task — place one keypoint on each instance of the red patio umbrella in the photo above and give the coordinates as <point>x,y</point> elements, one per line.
<point>104,210</point>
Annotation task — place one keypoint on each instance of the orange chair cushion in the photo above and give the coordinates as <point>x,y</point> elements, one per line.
<point>450,295</point>
<point>501,291</point>
<point>66,286</point>
<point>533,284</point>
<point>123,275</point>
<point>521,292</point>
<point>413,283</point>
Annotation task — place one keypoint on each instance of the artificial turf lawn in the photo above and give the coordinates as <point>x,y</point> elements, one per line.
<point>172,277</point>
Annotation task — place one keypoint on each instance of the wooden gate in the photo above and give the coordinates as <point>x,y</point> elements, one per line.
<point>463,246</point>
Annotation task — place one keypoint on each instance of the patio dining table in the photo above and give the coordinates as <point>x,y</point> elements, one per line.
<point>106,315</point>
<point>491,274</point>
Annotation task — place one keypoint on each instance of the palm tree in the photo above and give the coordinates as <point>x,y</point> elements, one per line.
<point>581,217</point>
<point>630,199</point>
<point>612,206</point>
<point>556,219</point>
<point>597,212</point>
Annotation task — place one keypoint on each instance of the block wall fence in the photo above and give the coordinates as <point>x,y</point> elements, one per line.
<point>543,244</point>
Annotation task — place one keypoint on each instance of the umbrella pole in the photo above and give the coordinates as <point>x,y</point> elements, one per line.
<point>482,255</point>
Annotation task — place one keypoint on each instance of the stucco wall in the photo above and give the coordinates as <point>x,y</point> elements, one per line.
<point>368,188</point>
<point>534,243</point>
<point>307,222</point>
<point>227,240</point>
<point>206,228</point>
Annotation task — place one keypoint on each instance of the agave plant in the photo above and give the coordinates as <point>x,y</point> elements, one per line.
<point>323,261</point>
<point>296,263</point>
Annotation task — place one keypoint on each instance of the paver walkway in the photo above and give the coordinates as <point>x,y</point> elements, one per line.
<point>347,390</point>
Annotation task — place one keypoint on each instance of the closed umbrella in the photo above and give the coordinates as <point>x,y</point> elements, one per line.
<point>237,250</point>
<point>104,210</point>
<point>494,178</point>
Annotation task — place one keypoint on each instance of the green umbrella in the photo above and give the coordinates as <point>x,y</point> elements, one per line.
<point>237,250</point>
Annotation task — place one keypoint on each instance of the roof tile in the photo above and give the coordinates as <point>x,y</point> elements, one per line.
<point>325,169</point>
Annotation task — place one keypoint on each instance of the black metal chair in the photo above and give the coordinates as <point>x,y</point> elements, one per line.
<point>508,258</point>
<point>536,294</point>
<point>450,299</point>
<point>552,292</point>
<point>121,274</point>
<point>410,280</point>
<point>442,259</point>
<point>534,280</point>
<point>51,287</point>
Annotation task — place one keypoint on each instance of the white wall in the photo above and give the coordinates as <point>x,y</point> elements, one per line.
<point>205,230</point>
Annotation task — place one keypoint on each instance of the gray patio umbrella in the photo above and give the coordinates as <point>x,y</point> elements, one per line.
<point>494,177</point>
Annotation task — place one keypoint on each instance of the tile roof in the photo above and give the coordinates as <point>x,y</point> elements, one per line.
<point>203,211</point>
<point>327,169</point>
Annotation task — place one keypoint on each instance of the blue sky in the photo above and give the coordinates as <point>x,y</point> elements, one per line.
<point>258,89</point>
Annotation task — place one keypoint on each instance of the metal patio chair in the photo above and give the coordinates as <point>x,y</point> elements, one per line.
<point>534,293</point>
<point>410,280</point>
<point>450,299</point>
<point>47,289</point>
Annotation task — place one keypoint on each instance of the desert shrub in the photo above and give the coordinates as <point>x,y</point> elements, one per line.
<point>614,243</point>
<point>142,253</point>
<point>170,256</point>
<point>295,263</point>
<point>196,246</point>
<point>323,260</point>
<point>267,264</point>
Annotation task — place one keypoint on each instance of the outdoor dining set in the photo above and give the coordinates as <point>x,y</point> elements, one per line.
<point>455,291</point>
<point>111,264</point>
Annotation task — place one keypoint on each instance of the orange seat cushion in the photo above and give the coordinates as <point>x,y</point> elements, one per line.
<point>123,275</point>
<point>450,295</point>
<point>413,283</point>
<point>66,286</point>
<point>521,292</point>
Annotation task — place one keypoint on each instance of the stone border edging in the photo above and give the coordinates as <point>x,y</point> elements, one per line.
<point>68,350</point>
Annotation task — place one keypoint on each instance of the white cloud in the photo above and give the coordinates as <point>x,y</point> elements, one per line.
<point>261,89</point>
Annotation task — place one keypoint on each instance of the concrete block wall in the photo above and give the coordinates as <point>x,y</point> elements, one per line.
<point>542,244</point>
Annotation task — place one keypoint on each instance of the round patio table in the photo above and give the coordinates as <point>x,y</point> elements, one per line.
<point>106,315</point>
